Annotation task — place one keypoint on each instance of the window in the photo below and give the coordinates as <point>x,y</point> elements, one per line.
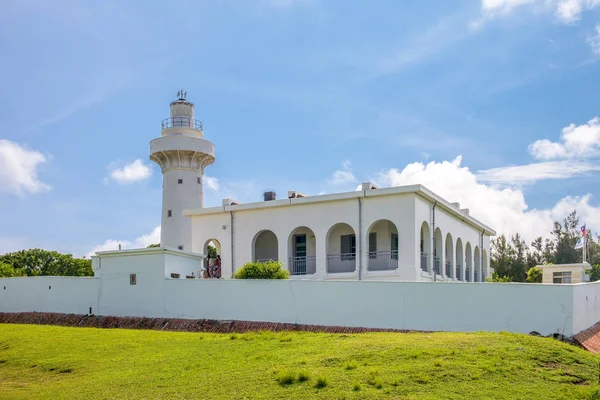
<point>180,181</point>
<point>132,279</point>
<point>169,213</point>
<point>300,245</point>
<point>175,276</point>
<point>373,245</point>
<point>561,277</point>
<point>394,241</point>
<point>348,246</point>
<point>199,181</point>
<point>180,247</point>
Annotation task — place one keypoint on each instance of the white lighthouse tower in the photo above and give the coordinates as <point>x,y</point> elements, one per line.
<point>182,154</point>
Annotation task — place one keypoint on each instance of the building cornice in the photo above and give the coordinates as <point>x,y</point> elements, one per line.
<point>418,190</point>
<point>149,251</point>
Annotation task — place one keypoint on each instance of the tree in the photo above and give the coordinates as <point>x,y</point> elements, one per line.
<point>212,251</point>
<point>153,245</point>
<point>496,278</point>
<point>262,270</point>
<point>534,275</point>
<point>35,262</point>
<point>7,271</point>
<point>595,273</point>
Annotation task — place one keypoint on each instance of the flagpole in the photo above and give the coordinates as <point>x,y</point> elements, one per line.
<point>584,243</point>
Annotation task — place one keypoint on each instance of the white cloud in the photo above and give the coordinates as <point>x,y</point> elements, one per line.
<point>503,209</point>
<point>530,173</point>
<point>130,173</point>
<point>594,41</point>
<point>582,141</point>
<point>139,242</point>
<point>567,11</point>
<point>343,176</point>
<point>19,169</point>
<point>211,183</point>
<point>494,7</point>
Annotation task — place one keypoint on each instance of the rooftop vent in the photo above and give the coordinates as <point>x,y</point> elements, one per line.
<point>292,194</point>
<point>457,205</point>
<point>229,202</point>
<point>465,211</point>
<point>369,186</point>
<point>269,196</point>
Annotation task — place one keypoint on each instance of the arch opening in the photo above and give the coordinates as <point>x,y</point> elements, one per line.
<point>383,246</point>
<point>437,252</point>
<point>468,263</point>
<point>485,272</point>
<point>302,251</point>
<point>265,246</point>
<point>449,256</point>
<point>341,249</point>
<point>212,262</point>
<point>459,261</point>
<point>477,269</point>
<point>425,246</point>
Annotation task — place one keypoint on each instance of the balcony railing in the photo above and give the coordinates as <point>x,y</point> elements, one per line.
<point>437,266</point>
<point>338,263</point>
<point>383,260</point>
<point>302,265</point>
<point>448,269</point>
<point>457,276</point>
<point>424,266</point>
<point>185,122</point>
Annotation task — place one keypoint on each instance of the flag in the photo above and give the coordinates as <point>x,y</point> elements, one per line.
<point>583,231</point>
<point>579,244</point>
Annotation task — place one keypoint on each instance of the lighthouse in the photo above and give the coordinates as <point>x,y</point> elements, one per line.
<point>182,154</point>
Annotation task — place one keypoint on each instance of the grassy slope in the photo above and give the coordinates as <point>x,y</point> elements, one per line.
<point>54,362</point>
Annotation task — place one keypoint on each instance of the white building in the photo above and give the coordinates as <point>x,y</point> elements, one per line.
<point>402,233</point>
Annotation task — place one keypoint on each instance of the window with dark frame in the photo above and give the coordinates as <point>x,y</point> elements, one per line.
<point>373,245</point>
<point>561,277</point>
<point>348,247</point>
<point>180,181</point>
<point>199,181</point>
<point>394,240</point>
<point>169,213</point>
<point>180,247</point>
<point>132,279</point>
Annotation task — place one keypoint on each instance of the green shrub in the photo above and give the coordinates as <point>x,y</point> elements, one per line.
<point>356,386</point>
<point>303,376</point>
<point>351,365</point>
<point>286,377</point>
<point>321,382</point>
<point>261,270</point>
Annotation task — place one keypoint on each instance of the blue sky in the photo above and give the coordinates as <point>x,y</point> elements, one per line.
<point>472,98</point>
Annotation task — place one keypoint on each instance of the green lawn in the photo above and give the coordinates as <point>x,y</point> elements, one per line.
<point>48,362</point>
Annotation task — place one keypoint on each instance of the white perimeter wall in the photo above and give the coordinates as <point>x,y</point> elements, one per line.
<point>523,308</point>
<point>69,295</point>
<point>586,305</point>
